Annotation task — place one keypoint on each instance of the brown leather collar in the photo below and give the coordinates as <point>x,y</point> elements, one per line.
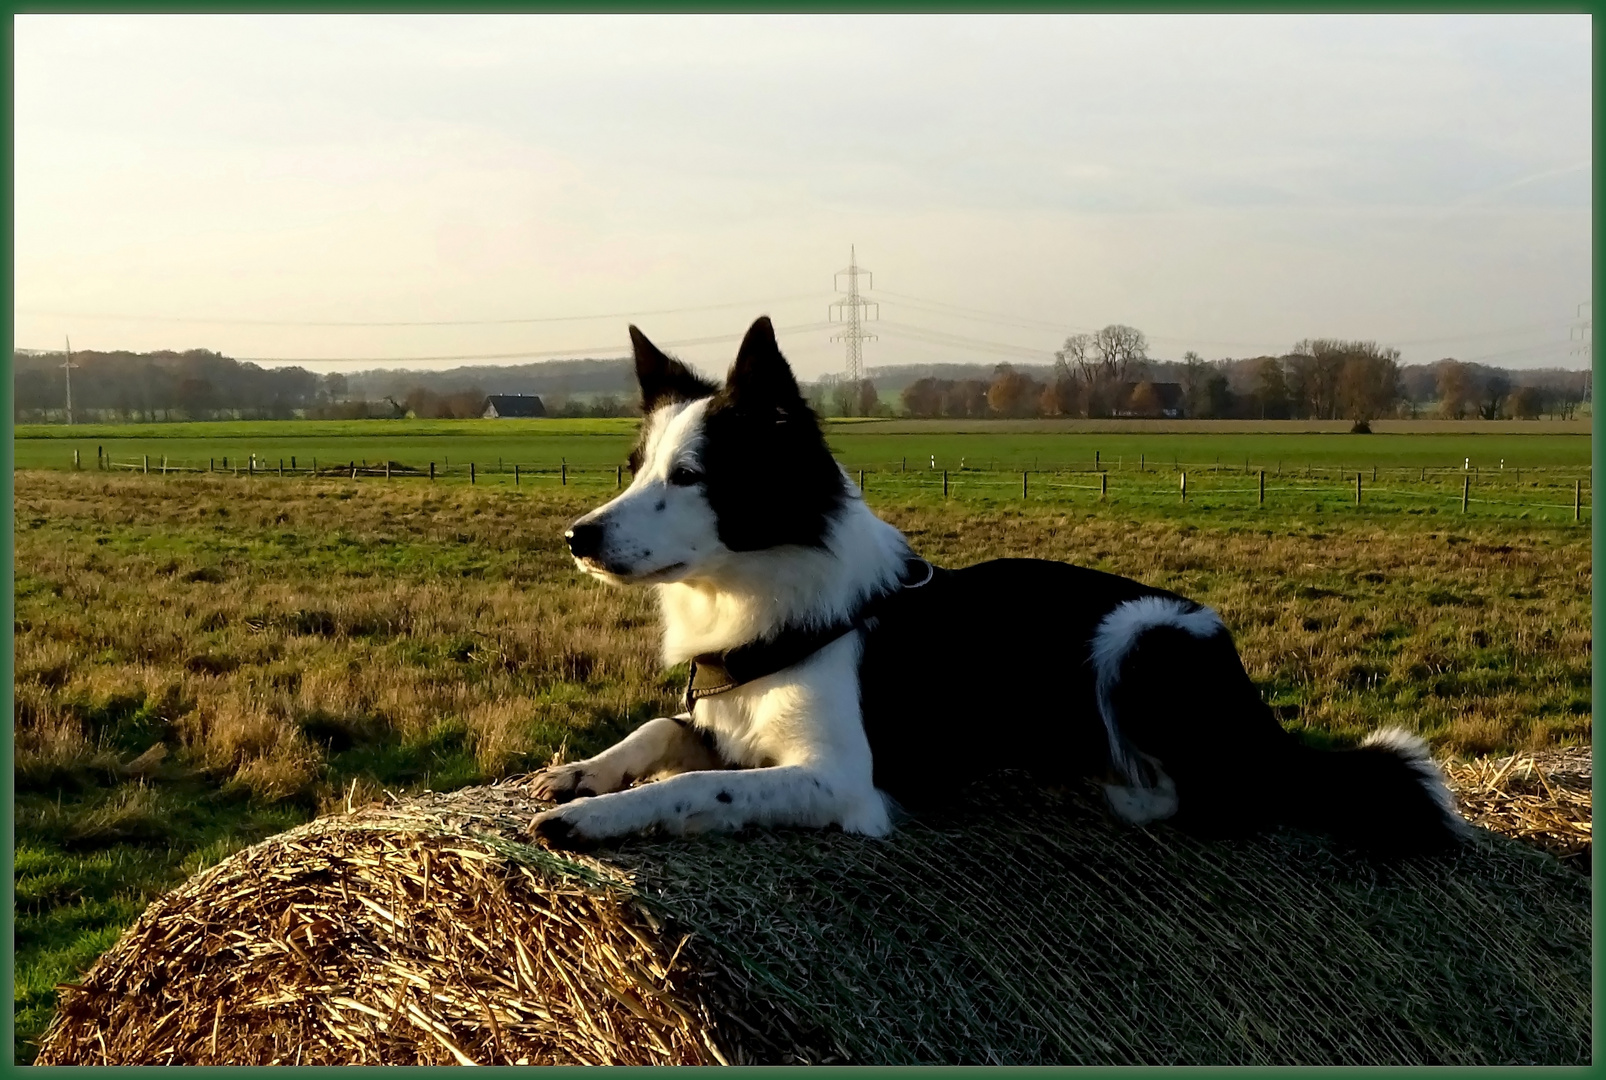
<point>716,672</point>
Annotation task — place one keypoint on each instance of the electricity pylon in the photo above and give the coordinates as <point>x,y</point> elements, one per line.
<point>854,310</point>
<point>67,365</point>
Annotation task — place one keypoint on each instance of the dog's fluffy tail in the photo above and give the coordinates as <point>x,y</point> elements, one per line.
<point>1386,795</point>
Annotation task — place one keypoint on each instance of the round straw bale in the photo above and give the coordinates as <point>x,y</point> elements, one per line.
<point>1031,929</point>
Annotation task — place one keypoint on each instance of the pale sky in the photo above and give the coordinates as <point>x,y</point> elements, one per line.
<point>1228,184</point>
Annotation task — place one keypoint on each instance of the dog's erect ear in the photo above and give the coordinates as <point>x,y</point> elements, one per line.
<point>760,374</point>
<point>663,378</point>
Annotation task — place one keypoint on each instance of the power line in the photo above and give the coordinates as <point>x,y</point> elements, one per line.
<point>959,341</point>
<point>1027,323</point>
<point>434,322</point>
<point>608,351</point>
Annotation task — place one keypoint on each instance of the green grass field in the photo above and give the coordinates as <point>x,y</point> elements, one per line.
<point>883,446</point>
<point>1417,469</point>
<point>203,660</point>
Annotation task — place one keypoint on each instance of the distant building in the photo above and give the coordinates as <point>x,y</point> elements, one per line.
<point>502,406</point>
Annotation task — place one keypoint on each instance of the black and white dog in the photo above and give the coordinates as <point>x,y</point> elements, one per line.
<point>834,672</point>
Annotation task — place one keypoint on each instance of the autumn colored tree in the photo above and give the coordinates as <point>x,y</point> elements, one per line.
<point>1525,403</point>
<point>1456,389</point>
<point>1145,400</point>
<point>1011,393</point>
<point>1369,381</point>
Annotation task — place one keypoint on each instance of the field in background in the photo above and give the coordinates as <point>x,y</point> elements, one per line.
<point>203,660</point>
<point>1537,475</point>
<point>875,444</point>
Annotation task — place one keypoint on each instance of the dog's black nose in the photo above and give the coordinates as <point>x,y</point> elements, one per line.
<point>584,540</point>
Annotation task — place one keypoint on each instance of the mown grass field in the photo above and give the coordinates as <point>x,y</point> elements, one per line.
<point>872,444</point>
<point>204,660</point>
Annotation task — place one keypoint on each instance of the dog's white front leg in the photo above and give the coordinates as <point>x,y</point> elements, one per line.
<point>657,747</point>
<point>693,802</point>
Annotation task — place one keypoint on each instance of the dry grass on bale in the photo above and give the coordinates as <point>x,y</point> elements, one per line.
<point>1033,930</point>
<point>1543,798</point>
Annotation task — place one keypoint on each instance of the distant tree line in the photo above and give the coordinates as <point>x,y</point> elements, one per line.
<point>199,384</point>
<point>1110,374</point>
<point>1106,374</point>
<point>192,385</point>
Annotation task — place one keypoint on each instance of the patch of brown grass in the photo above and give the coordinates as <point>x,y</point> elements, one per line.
<point>269,626</point>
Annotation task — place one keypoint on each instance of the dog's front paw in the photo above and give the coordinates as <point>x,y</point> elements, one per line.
<point>560,828</point>
<point>561,783</point>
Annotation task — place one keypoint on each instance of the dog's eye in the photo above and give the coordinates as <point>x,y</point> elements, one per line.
<point>685,476</point>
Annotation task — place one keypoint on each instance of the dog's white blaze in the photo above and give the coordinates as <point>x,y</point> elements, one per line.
<point>655,525</point>
<point>1117,633</point>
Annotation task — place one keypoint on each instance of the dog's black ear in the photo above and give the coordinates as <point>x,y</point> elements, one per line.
<point>761,374</point>
<point>663,378</point>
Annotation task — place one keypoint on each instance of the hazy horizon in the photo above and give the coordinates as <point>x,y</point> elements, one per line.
<point>520,187</point>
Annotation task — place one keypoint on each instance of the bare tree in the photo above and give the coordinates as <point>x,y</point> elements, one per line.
<point>1122,351</point>
<point>1078,357</point>
<point>1195,376</point>
<point>1495,389</point>
<point>1271,388</point>
<point>1316,365</point>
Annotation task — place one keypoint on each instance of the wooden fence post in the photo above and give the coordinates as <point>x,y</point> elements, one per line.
<point>471,472</point>
<point>861,479</point>
<point>1095,461</point>
<point>1262,487</point>
<point>75,460</point>
<point>945,483</point>
<point>1357,489</point>
<point>1104,485</point>
<point>1466,487</point>
<point>618,477</point>
<point>387,468</point>
<point>432,470</point>
<point>1023,483</point>
<point>1183,485</point>
<point>147,463</point>
<point>563,474</point>
<point>515,474</point>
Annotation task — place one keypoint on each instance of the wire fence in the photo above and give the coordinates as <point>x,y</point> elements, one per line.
<point>1201,485</point>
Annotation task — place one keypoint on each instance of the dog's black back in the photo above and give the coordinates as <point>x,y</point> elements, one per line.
<point>991,667</point>
<point>987,668</point>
